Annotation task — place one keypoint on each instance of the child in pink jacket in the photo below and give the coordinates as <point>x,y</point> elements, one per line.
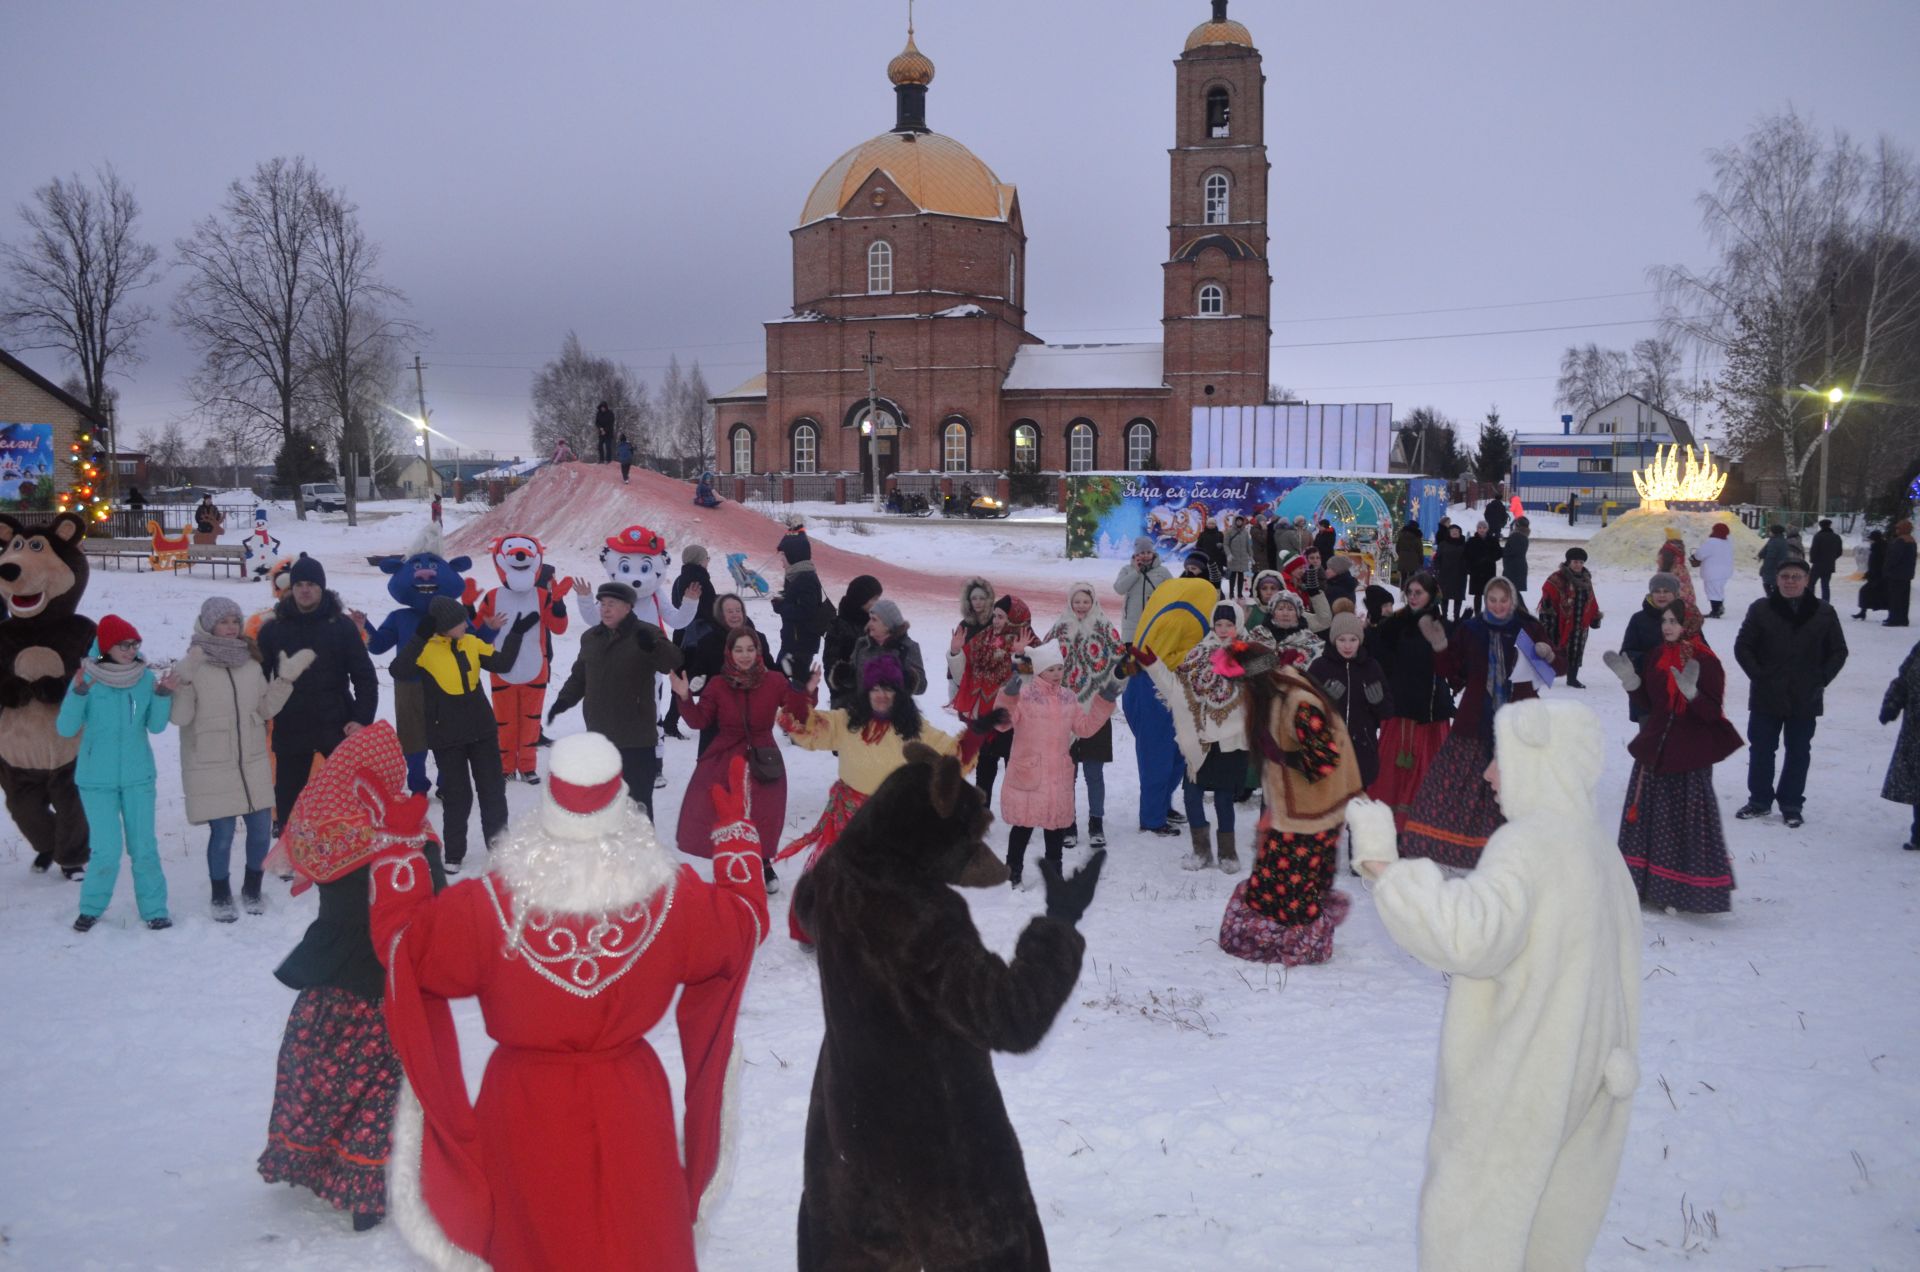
<point>1046,718</point>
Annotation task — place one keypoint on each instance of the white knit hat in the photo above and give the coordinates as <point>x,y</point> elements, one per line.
<point>584,793</point>
<point>1046,654</point>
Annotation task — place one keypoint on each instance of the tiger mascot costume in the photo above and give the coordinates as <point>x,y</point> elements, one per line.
<point>527,586</point>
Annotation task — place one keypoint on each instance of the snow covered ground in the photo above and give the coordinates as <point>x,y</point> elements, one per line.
<point>1187,1111</point>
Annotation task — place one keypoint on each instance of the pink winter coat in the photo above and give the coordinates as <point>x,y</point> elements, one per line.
<point>1038,789</point>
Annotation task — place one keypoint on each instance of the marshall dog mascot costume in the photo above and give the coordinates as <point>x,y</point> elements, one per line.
<point>576,944</point>
<point>527,586</point>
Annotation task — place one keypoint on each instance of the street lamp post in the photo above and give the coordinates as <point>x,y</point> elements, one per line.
<point>1834,396</point>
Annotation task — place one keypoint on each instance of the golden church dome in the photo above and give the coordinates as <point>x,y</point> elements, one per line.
<point>937,173</point>
<point>1223,32</point>
<point>910,65</point>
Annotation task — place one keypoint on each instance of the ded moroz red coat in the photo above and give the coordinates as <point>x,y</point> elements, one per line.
<point>575,945</point>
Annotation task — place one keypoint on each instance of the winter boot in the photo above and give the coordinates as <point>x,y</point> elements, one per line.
<point>223,911</point>
<point>250,893</point>
<point>1202,857</point>
<point>85,922</point>
<point>773,880</point>
<point>41,861</point>
<point>366,1220</point>
<point>1096,832</point>
<point>160,924</point>
<point>1176,817</point>
<point>1073,836</point>
<point>74,874</point>
<point>1229,855</point>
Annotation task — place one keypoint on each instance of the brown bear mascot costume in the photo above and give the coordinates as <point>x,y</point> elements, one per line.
<point>43,575</point>
<point>910,1159</point>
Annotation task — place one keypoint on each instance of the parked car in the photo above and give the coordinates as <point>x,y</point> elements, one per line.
<point>323,496</point>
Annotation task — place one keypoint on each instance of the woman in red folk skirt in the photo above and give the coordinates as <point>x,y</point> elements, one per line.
<point>738,707</point>
<point>1455,811</point>
<point>1670,830</point>
<point>1422,699</point>
<point>334,1090</point>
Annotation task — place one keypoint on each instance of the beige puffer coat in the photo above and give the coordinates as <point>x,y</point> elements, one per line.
<point>222,714</point>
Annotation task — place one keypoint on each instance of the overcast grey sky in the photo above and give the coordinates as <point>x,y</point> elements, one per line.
<point>631,170</point>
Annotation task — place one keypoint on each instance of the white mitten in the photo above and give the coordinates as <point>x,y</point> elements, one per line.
<point>1687,680</point>
<point>295,663</point>
<point>1374,835</point>
<point>1622,666</point>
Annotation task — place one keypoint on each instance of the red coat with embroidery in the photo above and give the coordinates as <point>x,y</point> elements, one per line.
<point>569,1158</point>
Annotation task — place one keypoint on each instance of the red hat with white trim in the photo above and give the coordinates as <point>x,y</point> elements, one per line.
<point>638,539</point>
<point>584,794</point>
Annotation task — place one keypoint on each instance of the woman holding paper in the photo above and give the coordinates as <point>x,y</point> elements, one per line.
<point>1495,658</point>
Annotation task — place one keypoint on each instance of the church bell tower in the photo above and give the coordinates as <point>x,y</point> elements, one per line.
<point>1218,286</point>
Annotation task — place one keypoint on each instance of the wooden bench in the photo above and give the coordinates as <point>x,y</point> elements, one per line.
<point>116,552</point>
<point>230,557</point>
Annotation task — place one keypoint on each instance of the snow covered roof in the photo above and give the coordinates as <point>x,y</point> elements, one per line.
<point>754,386</point>
<point>507,472</point>
<point>1087,366</point>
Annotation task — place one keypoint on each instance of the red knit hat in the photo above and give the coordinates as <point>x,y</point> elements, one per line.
<point>112,630</point>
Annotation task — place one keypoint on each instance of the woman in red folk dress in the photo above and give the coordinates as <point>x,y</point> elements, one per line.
<point>739,706</point>
<point>575,945</point>
<point>980,660</point>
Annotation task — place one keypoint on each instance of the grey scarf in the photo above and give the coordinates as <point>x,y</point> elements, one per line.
<point>221,651</point>
<point>103,671</point>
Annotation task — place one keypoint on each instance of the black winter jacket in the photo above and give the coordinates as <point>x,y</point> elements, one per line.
<point>1513,559</point>
<point>798,605</point>
<point>1415,691</point>
<point>1824,551</point>
<point>336,951</point>
<point>338,689</point>
<point>455,719</point>
<point>1483,558</point>
<point>1900,560</point>
<point>1642,638</point>
<point>1791,651</point>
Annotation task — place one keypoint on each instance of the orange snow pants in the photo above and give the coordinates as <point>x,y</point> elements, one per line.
<point>518,709</point>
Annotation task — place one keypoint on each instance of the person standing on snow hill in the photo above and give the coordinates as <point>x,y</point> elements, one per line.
<point>1569,609</point>
<point>334,698</point>
<point>1670,831</point>
<point>613,675</point>
<point>1791,647</point>
<point>337,1076</point>
<point>623,451</point>
<point>1455,810</point>
<point>113,703</point>
<point>1902,699</point>
<point>574,946</point>
<point>1047,719</point>
<point>603,427</point>
<point>799,605</point>
<point>222,701</point>
<point>1714,560</point>
<point>1136,581</point>
<point>1540,1040</point>
<point>461,730</point>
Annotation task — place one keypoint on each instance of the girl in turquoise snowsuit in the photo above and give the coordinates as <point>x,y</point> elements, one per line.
<point>114,703</point>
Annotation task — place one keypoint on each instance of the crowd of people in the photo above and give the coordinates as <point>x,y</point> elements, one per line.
<point>1267,672</point>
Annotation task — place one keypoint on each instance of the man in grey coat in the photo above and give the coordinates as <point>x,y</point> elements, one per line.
<point>1791,646</point>
<point>1136,581</point>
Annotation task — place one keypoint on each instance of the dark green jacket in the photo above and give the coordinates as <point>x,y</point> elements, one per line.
<point>613,678</point>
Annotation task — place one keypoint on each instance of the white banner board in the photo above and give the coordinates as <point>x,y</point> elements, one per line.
<point>1319,437</point>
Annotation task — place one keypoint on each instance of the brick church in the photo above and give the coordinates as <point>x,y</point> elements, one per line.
<point>910,249</point>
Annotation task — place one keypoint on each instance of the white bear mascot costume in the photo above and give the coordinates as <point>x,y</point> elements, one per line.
<point>1537,1048</point>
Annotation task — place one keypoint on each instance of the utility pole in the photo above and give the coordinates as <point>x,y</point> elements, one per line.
<point>423,435</point>
<point>872,360</point>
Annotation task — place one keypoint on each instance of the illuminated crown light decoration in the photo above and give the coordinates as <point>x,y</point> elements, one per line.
<point>83,495</point>
<point>1668,482</point>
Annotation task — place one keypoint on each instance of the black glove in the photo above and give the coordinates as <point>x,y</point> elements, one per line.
<point>997,718</point>
<point>552,711</point>
<point>1888,713</point>
<point>527,622</point>
<point>646,636</point>
<point>1068,899</point>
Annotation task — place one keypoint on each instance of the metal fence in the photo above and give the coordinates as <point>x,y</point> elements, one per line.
<point>1760,516</point>
<point>173,518</point>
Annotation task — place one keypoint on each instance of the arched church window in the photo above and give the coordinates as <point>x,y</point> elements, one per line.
<point>1080,446</point>
<point>1013,279</point>
<point>1026,447</point>
<point>1217,200</point>
<point>880,268</point>
<point>741,444</point>
<point>955,450</point>
<point>1140,445</point>
<point>1219,113</point>
<point>806,448</point>
<point>1213,300</point>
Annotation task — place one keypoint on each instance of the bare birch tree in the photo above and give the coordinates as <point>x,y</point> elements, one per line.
<point>351,346</point>
<point>71,281</point>
<point>249,297</point>
<point>1801,221</point>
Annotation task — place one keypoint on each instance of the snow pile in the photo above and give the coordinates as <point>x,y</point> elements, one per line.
<point>1632,542</point>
